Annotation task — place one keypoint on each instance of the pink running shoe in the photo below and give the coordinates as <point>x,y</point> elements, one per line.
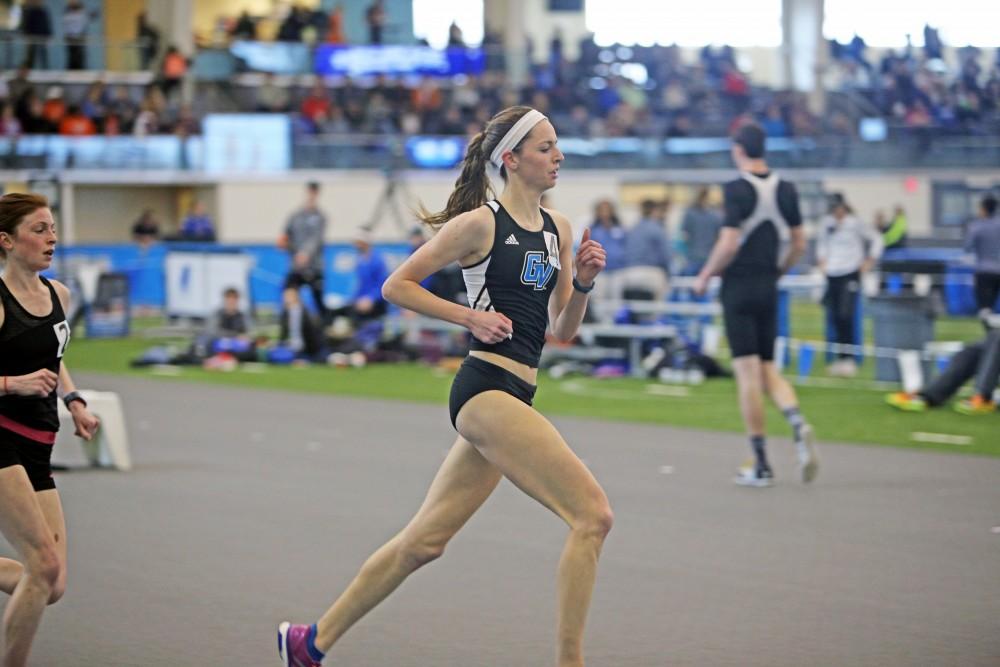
<point>292,646</point>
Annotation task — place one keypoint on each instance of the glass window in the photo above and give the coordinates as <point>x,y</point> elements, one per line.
<point>432,20</point>
<point>888,22</point>
<point>732,22</point>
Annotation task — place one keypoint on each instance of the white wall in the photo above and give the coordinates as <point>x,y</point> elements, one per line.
<point>105,213</point>
<point>256,211</point>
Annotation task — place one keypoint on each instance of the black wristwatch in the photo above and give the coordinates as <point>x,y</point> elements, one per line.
<point>580,288</point>
<point>73,396</point>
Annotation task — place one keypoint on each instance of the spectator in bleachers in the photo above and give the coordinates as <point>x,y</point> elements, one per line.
<point>197,225</point>
<point>148,39</point>
<point>36,26</point>
<point>375,18</point>
<point>983,241</point>
<point>31,114</point>
<point>270,97</point>
<point>245,27</point>
<point>335,27</point>
<point>577,124</point>
<point>774,121</point>
<point>735,88</point>
<point>186,124</point>
<point>292,27</point>
<point>647,253</point>
<point>95,103</point>
<point>333,123</point>
<point>10,125</point>
<point>74,25</point>
<point>675,98</point>
<point>18,85</point>
<point>54,107</point>
<point>680,126</point>
<point>455,38</point>
<point>427,98</point>
<point>173,69</point>
<point>316,103</point>
<point>699,229</point>
<point>148,121</point>
<point>122,112</point>
<point>76,124</point>
<point>932,42</point>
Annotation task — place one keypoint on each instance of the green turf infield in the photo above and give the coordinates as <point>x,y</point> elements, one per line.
<point>841,410</point>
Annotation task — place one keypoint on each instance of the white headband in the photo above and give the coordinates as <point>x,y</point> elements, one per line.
<point>515,135</point>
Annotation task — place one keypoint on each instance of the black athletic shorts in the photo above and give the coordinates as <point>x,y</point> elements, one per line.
<point>750,310</point>
<point>36,457</point>
<point>476,376</point>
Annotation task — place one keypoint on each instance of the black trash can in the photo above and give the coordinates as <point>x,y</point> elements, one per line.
<point>903,322</point>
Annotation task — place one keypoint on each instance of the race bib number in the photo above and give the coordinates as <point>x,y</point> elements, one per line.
<point>552,247</point>
<point>62,335</point>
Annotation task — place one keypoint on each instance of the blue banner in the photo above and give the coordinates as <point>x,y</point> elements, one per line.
<point>147,278</point>
<point>356,61</point>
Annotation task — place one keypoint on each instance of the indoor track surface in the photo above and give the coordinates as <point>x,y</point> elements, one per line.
<point>246,508</point>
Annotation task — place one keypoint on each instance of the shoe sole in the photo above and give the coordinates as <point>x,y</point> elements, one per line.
<point>283,644</point>
<point>752,483</point>
<point>906,407</point>
<point>972,412</point>
<point>810,468</point>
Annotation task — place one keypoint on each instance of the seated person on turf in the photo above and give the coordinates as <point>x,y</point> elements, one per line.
<point>230,328</point>
<point>979,360</point>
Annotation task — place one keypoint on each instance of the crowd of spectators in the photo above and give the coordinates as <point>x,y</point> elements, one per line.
<point>916,89</point>
<point>26,108</point>
<point>606,92</point>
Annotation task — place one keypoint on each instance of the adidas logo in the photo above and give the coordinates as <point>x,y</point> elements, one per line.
<point>511,240</point>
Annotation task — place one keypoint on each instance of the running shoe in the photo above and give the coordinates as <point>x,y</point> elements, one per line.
<point>907,402</point>
<point>977,405</point>
<point>750,475</point>
<point>808,459</point>
<point>292,646</point>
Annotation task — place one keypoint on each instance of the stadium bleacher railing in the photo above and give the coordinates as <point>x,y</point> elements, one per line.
<point>169,152</point>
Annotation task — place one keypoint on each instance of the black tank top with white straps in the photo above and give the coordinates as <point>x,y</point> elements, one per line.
<point>516,279</point>
<point>29,343</point>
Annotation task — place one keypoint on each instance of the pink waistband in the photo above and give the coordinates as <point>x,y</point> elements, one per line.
<point>44,437</point>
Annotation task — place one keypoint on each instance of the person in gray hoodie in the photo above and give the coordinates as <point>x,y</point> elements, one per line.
<point>303,239</point>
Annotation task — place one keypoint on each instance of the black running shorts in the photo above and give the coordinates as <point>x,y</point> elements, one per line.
<point>750,310</point>
<point>476,376</point>
<point>35,457</point>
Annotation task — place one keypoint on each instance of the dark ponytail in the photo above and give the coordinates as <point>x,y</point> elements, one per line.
<point>473,187</point>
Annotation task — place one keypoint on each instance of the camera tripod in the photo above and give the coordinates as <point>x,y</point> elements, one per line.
<point>394,195</point>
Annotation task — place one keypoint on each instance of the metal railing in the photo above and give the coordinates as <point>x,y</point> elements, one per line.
<point>394,152</point>
<point>55,54</point>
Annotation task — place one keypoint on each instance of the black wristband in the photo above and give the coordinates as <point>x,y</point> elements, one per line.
<point>73,396</point>
<point>580,288</point>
